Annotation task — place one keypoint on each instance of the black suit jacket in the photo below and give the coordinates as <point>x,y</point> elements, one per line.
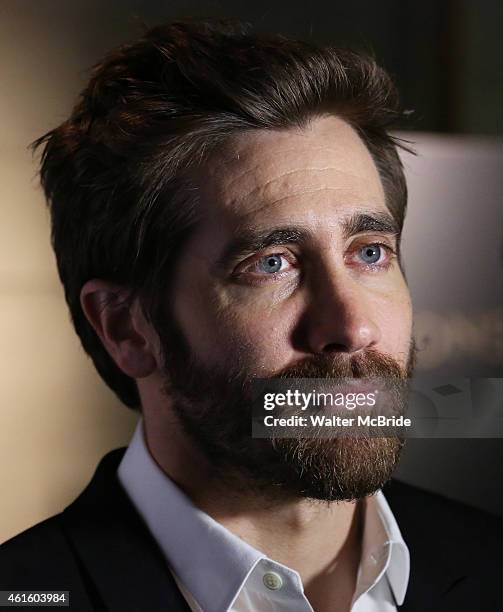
<point>100,550</point>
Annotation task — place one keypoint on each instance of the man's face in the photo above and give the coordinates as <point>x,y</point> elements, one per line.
<point>281,277</point>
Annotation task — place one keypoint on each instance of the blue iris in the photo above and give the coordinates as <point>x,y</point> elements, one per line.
<point>270,263</point>
<point>371,253</point>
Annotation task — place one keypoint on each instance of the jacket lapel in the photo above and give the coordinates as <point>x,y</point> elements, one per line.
<point>121,562</point>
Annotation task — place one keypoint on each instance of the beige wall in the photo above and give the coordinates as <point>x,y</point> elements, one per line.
<point>57,417</point>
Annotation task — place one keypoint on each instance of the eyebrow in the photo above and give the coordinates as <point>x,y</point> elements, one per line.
<point>380,222</point>
<point>251,240</point>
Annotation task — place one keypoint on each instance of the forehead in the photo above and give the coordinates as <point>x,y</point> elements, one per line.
<point>317,173</point>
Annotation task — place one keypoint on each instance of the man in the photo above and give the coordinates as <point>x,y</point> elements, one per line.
<point>227,207</point>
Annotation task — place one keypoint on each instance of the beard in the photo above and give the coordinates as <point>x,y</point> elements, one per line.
<point>214,406</point>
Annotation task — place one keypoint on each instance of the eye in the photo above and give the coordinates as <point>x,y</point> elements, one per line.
<point>371,253</point>
<point>266,267</point>
<point>270,263</point>
<point>374,255</point>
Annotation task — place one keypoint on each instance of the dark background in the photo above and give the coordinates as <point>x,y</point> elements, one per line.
<point>445,55</point>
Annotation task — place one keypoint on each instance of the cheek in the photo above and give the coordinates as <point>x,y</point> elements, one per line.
<point>260,344</point>
<point>395,321</point>
<point>223,328</point>
<point>254,338</point>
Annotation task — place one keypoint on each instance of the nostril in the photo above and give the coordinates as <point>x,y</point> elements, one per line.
<point>335,348</point>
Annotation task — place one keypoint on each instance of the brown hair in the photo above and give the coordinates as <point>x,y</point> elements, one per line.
<point>114,173</point>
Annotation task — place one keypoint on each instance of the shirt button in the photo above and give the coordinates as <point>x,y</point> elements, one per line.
<point>273,581</point>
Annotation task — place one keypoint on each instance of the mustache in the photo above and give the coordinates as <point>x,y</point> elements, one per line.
<point>370,364</point>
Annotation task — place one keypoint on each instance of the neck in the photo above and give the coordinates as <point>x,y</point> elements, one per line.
<point>320,540</point>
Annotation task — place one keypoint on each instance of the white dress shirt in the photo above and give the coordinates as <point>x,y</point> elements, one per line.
<point>216,571</point>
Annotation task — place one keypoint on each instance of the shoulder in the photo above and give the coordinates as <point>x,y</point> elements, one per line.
<point>44,556</point>
<point>433,513</point>
<point>454,550</point>
<point>98,549</point>
<point>39,556</point>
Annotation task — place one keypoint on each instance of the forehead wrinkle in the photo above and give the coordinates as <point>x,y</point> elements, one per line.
<point>307,191</point>
<point>314,169</point>
<point>345,173</point>
<point>260,170</point>
<point>237,200</point>
<point>241,155</point>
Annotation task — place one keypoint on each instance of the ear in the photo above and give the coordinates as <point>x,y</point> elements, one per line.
<point>122,328</point>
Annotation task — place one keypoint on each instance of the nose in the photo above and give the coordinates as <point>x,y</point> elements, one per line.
<point>339,317</point>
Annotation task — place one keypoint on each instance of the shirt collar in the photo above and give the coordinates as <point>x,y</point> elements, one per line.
<point>225,561</point>
<point>384,551</point>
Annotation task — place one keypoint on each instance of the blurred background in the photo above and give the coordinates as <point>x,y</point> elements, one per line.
<point>57,417</point>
